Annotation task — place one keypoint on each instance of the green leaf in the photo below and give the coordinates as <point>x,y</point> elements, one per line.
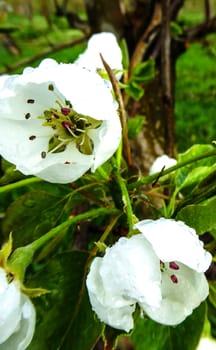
<point>191,175</point>
<point>144,71</point>
<point>125,54</point>
<point>212,293</point>
<point>175,29</point>
<point>85,329</point>
<point>134,90</point>
<point>135,125</point>
<point>64,317</point>
<point>199,216</point>
<point>150,335</point>
<point>30,216</point>
<point>10,174</point>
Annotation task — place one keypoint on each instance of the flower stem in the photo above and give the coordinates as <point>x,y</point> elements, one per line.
<point>84,216</point>
<point>104,236</point>
<point>23,256</point>
<point>20,183</point>
<point>145,180</point>
<point>121,196</point>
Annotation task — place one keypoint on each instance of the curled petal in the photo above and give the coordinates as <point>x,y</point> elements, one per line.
<point>111,309</point>
<point>175,241</point>
<point>23,335</point>
<point>122,278</point>
<point>10,298</point>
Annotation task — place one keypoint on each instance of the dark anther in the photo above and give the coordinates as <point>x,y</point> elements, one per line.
<point>174,279</point>
<point>173,266</point>
<point>32,137</point>
<point>50,87</point>
<point>30,100</point>
<point>27,115</point>
<point>10,277</point>
<point>43,154</point>
<point>65,110</point>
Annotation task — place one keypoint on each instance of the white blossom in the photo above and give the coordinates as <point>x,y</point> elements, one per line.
<point>160,269</point>
<point>207,344</point>
<point>105,44</point>
<point>17,315</point>
<point>3,78</point>
<point>57,121</point>
<point>160,163</point>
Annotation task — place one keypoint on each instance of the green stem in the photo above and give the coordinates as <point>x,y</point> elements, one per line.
<point>145,180</point>
<point>119,154</point>
<point>20,183</point>
<point>23,256</point>
<point>124,203</point>
<point>84,216</point>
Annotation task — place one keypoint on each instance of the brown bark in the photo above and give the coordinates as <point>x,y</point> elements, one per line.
<point>141,27</point>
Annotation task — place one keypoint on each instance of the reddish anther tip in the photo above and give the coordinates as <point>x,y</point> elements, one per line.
<point>174,279</point>
<point>66,125</point>
<point>173,266</point>
<point>65,110</point>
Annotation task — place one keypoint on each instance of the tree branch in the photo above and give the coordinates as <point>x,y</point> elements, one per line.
<point>166,76</point>
<point>47,51</point>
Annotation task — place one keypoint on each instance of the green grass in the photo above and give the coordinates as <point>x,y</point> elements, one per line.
<point>196,95</point>
<point>33,37</point>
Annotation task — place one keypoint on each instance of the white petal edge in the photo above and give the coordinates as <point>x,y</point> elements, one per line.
<point>24,334</point>
<point>175,241</point>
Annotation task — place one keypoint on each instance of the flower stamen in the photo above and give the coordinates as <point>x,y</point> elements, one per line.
<point>174,279</point>
<point>69,126</point>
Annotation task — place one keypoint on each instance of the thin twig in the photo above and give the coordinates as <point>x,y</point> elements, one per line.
<point>166,71</point>
<point>146,38</point>
<point>207,11</point>
<point>122,111</point>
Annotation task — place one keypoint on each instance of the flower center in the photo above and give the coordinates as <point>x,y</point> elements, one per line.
<point>68,126</point>
<point>169,269</point>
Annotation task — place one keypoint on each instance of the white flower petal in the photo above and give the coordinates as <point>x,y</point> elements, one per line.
<point>122,278</point>
<point>23,335</point>
<point>106,44</point>
<point>106,140</point>
<point>9,307</point>
<point>207,344</point>
<point>181,298</point>
<point>162,162</point>
<point>118,317</point>
<point>3,78</point>
<point>175,241</point>
<point>17,315</point>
